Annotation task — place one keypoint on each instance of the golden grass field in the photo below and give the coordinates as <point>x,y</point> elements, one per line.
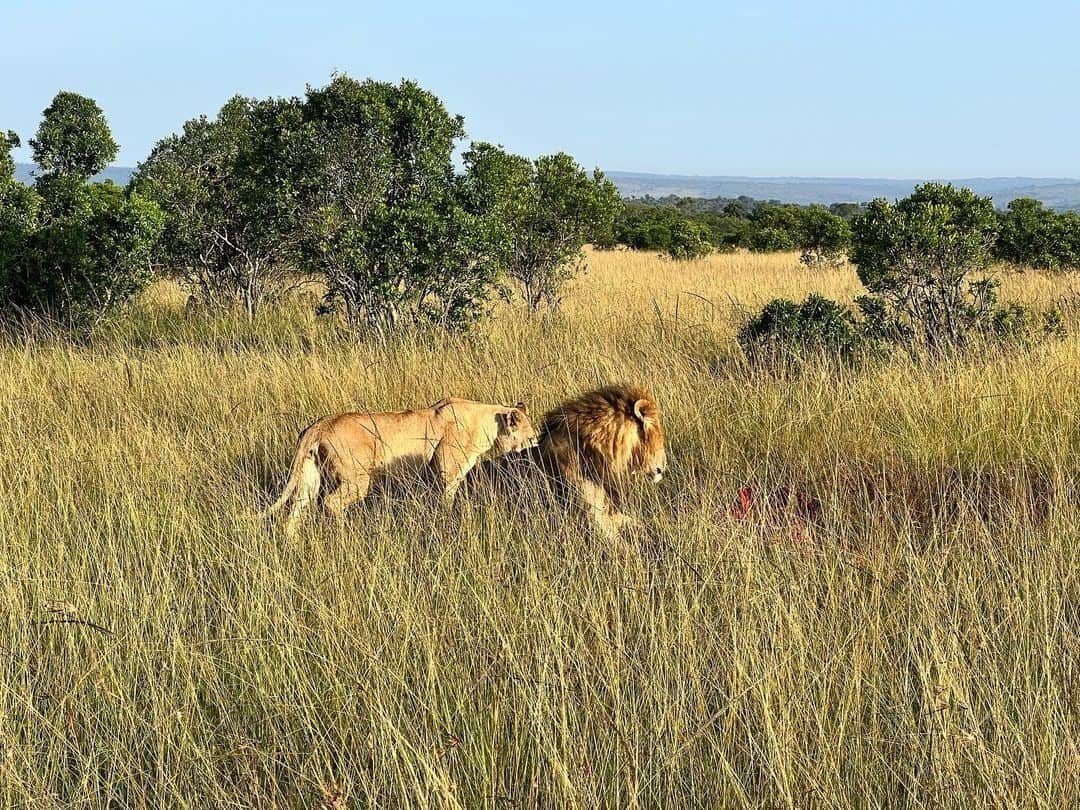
<point>920,647</point>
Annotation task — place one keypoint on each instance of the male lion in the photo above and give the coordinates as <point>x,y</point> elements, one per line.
<point>594,441</point>
<point>353,449</point>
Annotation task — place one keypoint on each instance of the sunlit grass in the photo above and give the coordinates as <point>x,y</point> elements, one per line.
<point>915,646</point>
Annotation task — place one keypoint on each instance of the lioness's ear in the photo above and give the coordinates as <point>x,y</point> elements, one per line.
<point>521,407</point>
<point>642,411</point>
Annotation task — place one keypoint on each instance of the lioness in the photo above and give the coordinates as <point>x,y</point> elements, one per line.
<point>594,441</point>
<point>352,449</point>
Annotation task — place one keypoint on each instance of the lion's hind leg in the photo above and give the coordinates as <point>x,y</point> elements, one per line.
<point>306,493</point>
<point>348,492</point>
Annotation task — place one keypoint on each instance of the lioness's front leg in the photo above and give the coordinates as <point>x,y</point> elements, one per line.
<point>452,466</point>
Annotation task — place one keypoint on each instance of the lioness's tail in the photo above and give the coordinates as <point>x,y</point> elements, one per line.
<point>304,469</point>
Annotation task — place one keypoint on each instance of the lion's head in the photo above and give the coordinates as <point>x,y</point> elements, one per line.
<point>515,431</point>
<point>613,431</point>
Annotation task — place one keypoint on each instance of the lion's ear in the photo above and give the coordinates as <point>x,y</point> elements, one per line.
<point>643,411</point>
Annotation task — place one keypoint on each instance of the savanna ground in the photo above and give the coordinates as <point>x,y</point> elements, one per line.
<point>915,646</point>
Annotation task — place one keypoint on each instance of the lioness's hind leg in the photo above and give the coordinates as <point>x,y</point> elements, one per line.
<point>307,491</point>
<point>348,493</point>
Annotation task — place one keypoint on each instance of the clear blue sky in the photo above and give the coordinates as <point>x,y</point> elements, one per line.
<point>889,89</point>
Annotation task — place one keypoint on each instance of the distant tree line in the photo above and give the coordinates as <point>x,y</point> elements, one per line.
<point>686,228</point>
<point>1028,233</point>
<point>354,185</point>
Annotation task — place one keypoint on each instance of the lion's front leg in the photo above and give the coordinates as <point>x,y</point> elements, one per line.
<point>452,483</point>
<point>598,507</point>
<point>452,465</point>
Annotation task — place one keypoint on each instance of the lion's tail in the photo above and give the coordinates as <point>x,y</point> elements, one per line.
<point>307,448</point>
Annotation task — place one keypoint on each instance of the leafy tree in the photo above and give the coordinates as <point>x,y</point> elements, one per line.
<point>847,211</point>
<point>8,141</point>
<point>73,139</point>
<point>737,208</point>
<point>19,209</point>
<point>770,239</point>
<point>229,189</point>
<point>89,254</point>
<point>924,259</point>
<point>543,213</point>
<point>1037,236</point>
<point>645,227</point>
<point>824,237</point>
<point>689,240</point>
<point>383,214</point>
<point>70,251</point>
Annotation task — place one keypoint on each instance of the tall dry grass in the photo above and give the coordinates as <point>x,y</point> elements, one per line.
<point>917,646</point>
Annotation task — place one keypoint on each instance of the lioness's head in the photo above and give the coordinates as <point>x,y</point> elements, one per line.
<point>649,457</point>
<point>516,431</point>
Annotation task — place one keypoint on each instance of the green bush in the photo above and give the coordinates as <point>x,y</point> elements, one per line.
<point>770,240</point>
<point>924,260</point>
<point>228,188</point>
<point>785,331</point>
<point>86,254</point>
<point>688,240</point>
<point>381,212</point>
<point>74,138</point>
<point>536,216</point>
<point>824,237</point>
<point>1039,237</point>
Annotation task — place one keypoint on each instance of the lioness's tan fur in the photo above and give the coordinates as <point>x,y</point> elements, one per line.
<point>595,441</point>
<point>353,449</point>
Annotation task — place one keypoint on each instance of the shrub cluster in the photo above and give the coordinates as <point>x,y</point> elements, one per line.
<point>923,261</point>
<point>786,331</point>
<point>1036,236</point>
<point>354,185</point>
<point>1028,234</point>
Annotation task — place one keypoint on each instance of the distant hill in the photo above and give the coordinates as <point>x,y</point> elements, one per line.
<point>118,174</point>
<point>1059,193</point>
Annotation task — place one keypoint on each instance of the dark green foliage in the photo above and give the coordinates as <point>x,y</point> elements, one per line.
<point>540,215</point>
<point>924,261</point>
<point>822,234</point>
<point>824,237</point>
<point>74,139</point>
<point>1039,237</point>
<point>383,219</point>
<point>653,227</point>
<point>71,252</point>
<point>689,240</point>
<point>355,184</point>
<point>88,253</point>
<point>228,187</point>
<point>19,206</point>
<point>768,239</point>
<point>741,207</point>
<point>8,141</point>
<point>786,331</point>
